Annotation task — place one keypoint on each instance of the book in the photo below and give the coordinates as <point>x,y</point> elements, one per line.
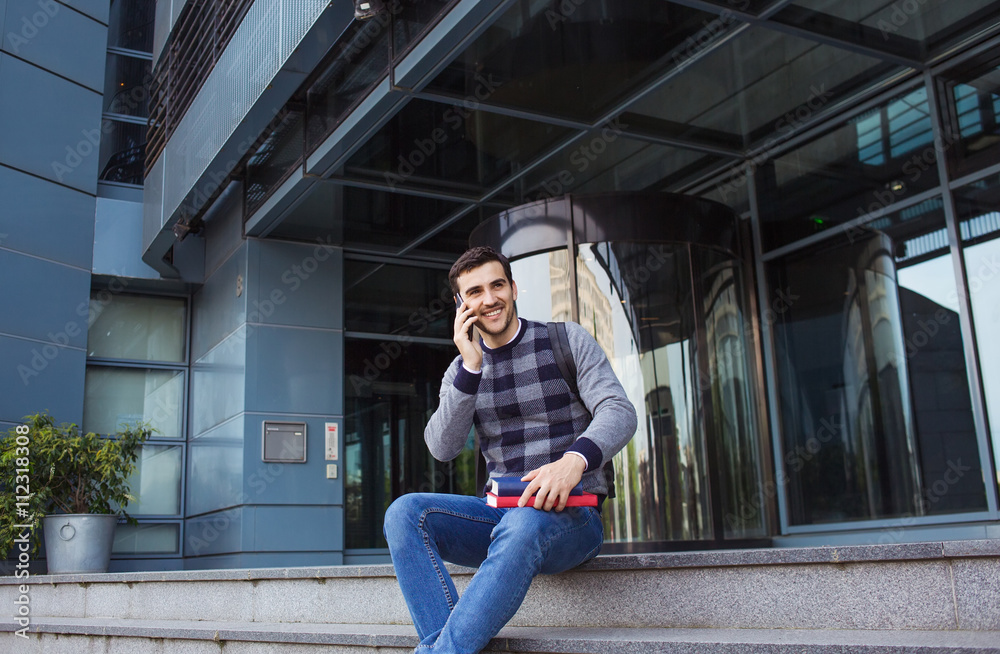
<point>513,486</point>
<point>508,501</point>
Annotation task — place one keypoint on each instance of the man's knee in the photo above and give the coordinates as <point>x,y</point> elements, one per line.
<point>403,514</point>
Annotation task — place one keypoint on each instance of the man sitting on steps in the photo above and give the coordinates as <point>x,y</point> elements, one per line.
<point>530,425</point>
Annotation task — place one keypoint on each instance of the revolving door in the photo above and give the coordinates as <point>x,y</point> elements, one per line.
<point>660,282</point>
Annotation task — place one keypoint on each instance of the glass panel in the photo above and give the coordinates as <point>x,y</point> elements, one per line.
<point>971,94</point>
<point>117,396</point>
<point>928,23</point>
<point>605,161</point>
<point>576,59</point>
<point>156,482</point>
<point>123,147</point>
<point>378,220</point>
<point>411,20</point>
<point>979,214</point>
<point>147,539</point>
<point>395,299</point>
<point>276,158</point>
<point>454,148</point>
<point>136,327</point>
<point>126,86</point>
<point>390,394</point>
<point>875,405</point>
<point>359,62</point>
<point>761,84</point>
<point>730,382</point>
<point>537,300</point>
<point>752,6</point>
<point>642,318</point>
<point>130,25</point>
<point>858,169</point>
<point>732,191</point>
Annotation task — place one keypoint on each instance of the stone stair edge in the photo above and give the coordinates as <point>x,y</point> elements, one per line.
<point>520,639</point>
<point>897,552</point>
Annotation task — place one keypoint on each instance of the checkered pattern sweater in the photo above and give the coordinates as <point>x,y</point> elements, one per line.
<point>523,410</point>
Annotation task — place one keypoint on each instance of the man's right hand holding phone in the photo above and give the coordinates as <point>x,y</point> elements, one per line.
<point>465,318</point>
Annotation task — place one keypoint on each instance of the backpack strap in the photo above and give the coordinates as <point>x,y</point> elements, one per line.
<point>567,367</point>
<point>563,355</point>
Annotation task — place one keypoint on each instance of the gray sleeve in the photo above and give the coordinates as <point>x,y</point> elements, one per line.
<point>448,429</point>
<point>614,417</point>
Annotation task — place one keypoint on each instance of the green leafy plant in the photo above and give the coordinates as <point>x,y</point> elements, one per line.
<point>47,468</point>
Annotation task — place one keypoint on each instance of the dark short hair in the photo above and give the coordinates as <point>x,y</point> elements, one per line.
<point>473,258</point>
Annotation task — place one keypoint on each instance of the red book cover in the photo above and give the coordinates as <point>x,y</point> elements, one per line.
<point>508,501</point>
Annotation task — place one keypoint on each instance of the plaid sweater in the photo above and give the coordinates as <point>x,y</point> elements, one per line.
<point>523,410</point>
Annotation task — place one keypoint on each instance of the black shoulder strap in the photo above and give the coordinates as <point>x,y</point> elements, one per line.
<point>563,355</point>
<point>567,367</point>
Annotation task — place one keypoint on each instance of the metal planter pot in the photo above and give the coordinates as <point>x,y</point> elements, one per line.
<point>78,543</point>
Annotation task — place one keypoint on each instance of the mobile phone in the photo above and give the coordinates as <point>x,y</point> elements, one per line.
<point>458,305</point>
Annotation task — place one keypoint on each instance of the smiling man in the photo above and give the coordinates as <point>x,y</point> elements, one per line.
<point>530,425</point>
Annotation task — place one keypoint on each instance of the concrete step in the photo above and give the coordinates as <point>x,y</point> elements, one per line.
<point>79,636</point>
<point>950,586</point>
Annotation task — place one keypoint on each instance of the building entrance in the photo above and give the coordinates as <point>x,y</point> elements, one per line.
<point>660,282</point>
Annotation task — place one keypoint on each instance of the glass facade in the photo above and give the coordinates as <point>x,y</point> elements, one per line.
<point>137,372</point>
<point>396,350</point>
<point>126,92</point>
<point>669,307</point>
<point>978,209</point>
<point>829,369</point>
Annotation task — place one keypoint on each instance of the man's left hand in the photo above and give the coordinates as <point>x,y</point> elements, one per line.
<point>552,483</point>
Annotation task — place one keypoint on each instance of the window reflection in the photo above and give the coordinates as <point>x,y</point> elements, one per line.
<point>971,96</point>
<point>405,301</point>
<point>390,392</point>
<point>127,396</point>
<point>576,58</point>
<point>644,321</point>
<point>873,161</point>
<point>639,303</point>
<point>979,215</point>
<point>874,397</point>
<point>929,24</point>
<point>761,84</point>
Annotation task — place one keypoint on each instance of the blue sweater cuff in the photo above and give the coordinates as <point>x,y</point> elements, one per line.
<point>589,450</point>
<point>466,381</point>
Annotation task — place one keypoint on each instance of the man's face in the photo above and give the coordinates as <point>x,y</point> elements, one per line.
<point>491,296</point>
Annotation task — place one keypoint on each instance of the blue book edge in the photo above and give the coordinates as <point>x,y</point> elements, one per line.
<point>513,486</point>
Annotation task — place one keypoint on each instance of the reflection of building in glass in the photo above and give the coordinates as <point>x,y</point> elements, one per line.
<point>595,308</point>
<point>562,302</point>
<point>335,202</point>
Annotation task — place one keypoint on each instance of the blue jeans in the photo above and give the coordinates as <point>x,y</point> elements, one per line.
<point>510,546</point>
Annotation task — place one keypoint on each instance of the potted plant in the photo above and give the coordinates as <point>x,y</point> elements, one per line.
<point>76,485</point>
